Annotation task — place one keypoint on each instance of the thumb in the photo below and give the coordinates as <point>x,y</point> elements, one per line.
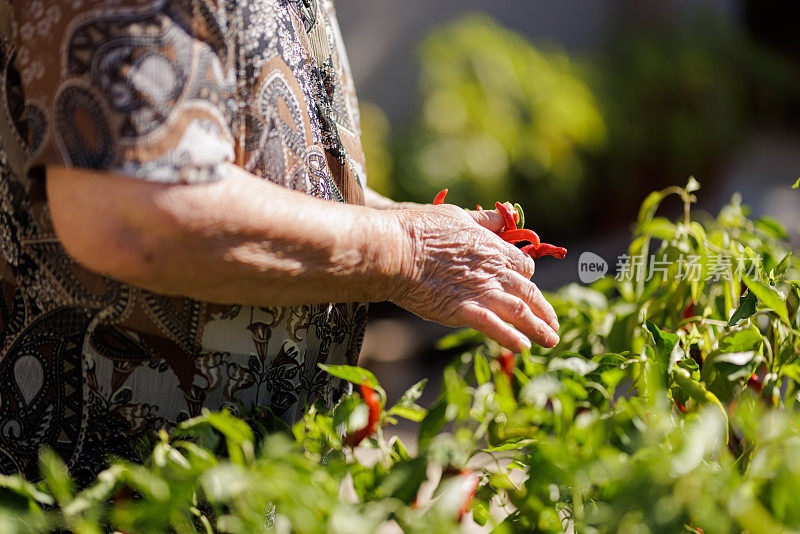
<point>490,219</point>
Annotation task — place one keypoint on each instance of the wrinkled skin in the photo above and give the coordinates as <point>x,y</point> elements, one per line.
<point>459,273</point>
<point>228,242</point>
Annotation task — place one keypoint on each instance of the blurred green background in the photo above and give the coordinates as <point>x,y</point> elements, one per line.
<point>576,110</point>
<point>577,132</point>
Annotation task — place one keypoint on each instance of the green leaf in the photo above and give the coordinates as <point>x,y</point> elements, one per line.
<point>621,331</point>
<point>225,482</point>
<point>432,424</point>
<point>664,342</point>
<point>698,232</point>
<point>56,476</point>
<point>746,309</point>
<point>796,184</point>
<point>483,372</point>
<point>413,393</point>
<point>356,375</point>
<point>741,339</point>
<point>459,338</point>
<point>772,227</point>
<point>723,370</point>
<point>736,358</point>
<point>521,223</point>
<point>796,285</point>
<point>783,266</point>
<point>97,493</point>
<point>739,364</point>
<point>20,486</point>
<point>768,297</point>
<point>649,206</point>
<point>403,481</point>
<point>398,449</point>
<point>577,364</point>
<point>659,227</point>
<point>480,512</point>
<point>233,428</point>
<point>511,445</point>
<point>792,371</point>
<point>412,413</point>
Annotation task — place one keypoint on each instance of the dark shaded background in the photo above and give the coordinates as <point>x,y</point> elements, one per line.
<point>684,87</point>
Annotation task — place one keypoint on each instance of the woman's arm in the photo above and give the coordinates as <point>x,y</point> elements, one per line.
<point>380,202</point>
<point>245,240</point>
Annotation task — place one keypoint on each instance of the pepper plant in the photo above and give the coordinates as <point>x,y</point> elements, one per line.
<point>670,405</point>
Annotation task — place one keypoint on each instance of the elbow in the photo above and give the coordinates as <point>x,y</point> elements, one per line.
<point>111,227</point>
<point>118,250</point>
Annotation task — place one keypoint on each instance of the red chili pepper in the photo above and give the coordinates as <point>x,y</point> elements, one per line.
<point>373,404</point>
<point>439,198</point>
<point>508,362</point>
<point>755,383</point>
<point>681,407</point>
<point>544,249</point>
<point>508,218</point>
<point>123,494</point>
<point>512,234</point>
<point>523,234</point>
<point>469,484</point>
<point>688,311</point>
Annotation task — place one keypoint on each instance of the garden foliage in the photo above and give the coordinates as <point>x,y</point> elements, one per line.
<point>501,116</point>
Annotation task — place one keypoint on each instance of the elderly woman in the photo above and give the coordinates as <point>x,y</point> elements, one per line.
<point>183,197</point>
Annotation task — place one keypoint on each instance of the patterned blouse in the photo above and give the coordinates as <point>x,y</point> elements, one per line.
<point>170,92</point>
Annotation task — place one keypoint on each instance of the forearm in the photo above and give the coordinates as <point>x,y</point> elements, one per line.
<point>379,202</point>
<point>243,240</point>
<point>255,243</point>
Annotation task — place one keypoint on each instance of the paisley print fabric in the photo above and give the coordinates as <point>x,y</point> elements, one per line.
<point>171,92</point>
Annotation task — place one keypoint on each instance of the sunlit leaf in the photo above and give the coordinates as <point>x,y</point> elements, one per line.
<point>769,297</point>
<point>783,265</point>
<point>483,373</point>
<point>412,413</point>
<point>746,309</point>
<point>432,424</point>
<point>576,364</point>
<point>356,375</point>
<point>231,427</point>
<point>665,343</point>
<point>772,227</point>
<point>658,227</point>
<point>649,206</point>
<point>56,476</point>
<point>460,338</point>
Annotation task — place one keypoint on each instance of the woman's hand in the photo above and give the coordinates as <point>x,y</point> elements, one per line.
<point>459,273</point>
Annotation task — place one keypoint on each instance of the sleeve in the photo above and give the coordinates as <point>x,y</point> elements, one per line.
<point>139,88</point>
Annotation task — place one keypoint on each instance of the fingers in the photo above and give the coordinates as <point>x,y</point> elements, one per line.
<point>520,262</point>
<point>517,312</point>
<point>526,290</point>
<point>494,222</point>
<point>489,323</point>
<point>489,219</point>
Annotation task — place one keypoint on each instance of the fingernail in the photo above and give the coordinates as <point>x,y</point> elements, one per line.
<point>525,343</point>
<point>553,339</point>
<point>555,325</point>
